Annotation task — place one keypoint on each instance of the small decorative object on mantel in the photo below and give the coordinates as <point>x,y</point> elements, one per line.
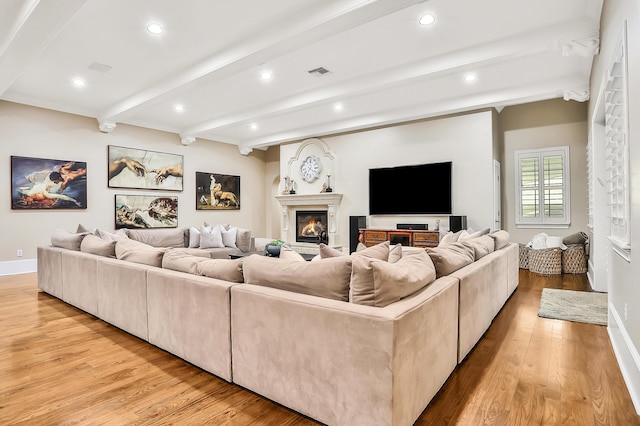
<point>324,188</point>
<point>328,188</point>
<point>292,190</point>
<point>286,186</point>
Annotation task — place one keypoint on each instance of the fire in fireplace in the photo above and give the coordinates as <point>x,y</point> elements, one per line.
<point>311,226</point>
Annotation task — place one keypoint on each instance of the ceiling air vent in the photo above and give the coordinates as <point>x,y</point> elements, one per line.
<point>99,67</point>
<point>319,71</point>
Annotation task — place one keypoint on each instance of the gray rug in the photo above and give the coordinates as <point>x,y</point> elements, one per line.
<point>569,305</point>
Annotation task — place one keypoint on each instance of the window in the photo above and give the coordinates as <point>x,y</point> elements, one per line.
<point>617,150</point>
<point>542,188</point>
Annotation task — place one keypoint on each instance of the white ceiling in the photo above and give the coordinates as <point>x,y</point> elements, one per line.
<point>384,66</point>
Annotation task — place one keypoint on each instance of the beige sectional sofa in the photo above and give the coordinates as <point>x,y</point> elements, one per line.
<point>339,362</point>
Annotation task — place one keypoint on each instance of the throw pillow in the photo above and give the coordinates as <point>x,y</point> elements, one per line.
<point>501,239</point>
<point>222,269</point>
<point>82,228</point>
<point>450,258</point>
<point>120,234</point>
<point>135,251</point>
<point>327,252</point>
<point>327,278</point>
<point>448,238</point>
<point>96,245</point>
<point>211,238</point>
<point>194,237</point>
<point>379,283</point>
<point>66,239</point>
<point>229,236</point>
<point>178,260</point>
<point>467,235</point>
<point>379,251</point>
<point>158,237</point>
<point>287,252</point>
<point>243,239</point>
<point>395,253</point>
<point>481,246</point>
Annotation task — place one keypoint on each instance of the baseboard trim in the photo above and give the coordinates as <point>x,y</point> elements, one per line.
<point>626,354</point>
<point>15,267</point>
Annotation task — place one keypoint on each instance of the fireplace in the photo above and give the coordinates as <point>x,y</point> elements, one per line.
<point>311,226</point>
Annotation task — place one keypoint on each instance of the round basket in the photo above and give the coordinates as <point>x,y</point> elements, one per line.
<point>574,260</point>
<point>546,261</point>
<point>524,256</point>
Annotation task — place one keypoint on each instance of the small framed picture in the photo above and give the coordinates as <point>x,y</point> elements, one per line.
<point>146,211</point>
<point>216,191</point>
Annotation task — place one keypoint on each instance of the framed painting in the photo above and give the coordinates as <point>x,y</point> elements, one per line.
<point>217,192</point>
<point>38,183</point>
<point>141,169</point>
<point>146,211</point>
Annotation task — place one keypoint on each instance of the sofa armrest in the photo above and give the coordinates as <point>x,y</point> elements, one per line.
<point>344,363</point>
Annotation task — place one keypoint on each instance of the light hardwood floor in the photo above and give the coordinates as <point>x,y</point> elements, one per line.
<point>59,365</point>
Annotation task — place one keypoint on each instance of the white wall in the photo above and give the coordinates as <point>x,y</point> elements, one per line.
<point>34,132</point>
<point>466,140</point>
<point>622,275</point>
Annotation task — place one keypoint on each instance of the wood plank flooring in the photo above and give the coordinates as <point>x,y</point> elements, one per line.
<point>61,366</point>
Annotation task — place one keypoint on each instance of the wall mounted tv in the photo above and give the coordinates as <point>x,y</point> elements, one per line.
<point>419,189</point>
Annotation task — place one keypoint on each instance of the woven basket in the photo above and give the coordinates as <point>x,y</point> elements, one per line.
<point>546,261</point>
<point>524,256</point>
<point>574,260</point>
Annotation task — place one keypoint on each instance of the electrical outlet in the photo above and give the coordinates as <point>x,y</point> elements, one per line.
<point>19,254</point>
<point>625,311</point>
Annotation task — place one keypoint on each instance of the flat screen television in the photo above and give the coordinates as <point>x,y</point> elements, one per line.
<point>420,189</point>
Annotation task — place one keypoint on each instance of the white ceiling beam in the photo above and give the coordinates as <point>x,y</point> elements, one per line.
<point>513,95</point>
<point>35,24</point>
<point>274,41</point>
<point>478,56</point>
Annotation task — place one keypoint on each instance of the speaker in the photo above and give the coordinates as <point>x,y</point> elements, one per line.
<point>415,226</point>
<point>355,223</point>
<point>457,223</point>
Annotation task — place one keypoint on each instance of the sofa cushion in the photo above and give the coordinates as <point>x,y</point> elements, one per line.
<point>466,234</point>
<point>66,239</point>
<point>450,258</point>
<point>482,246</point>
<point>179,260</point>
<point>501,238</point>
<point>389,282</point>
<point>173,237</point>
<point>327,278</point>
<point>98,246</point>
<point>328,251</point>
<point>83,228</point>
<point>222,269</point>
<point>135,251</point>
<point>211,237</point>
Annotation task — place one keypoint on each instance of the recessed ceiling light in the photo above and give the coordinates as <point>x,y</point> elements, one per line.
<point>155,28</point>
<point>470,78</point>
<point>266,75</point>
<point>78,82</point>
<point>338,107</point>
<point>254,126</point>
<point>178,107</point>
<point>427,19</point>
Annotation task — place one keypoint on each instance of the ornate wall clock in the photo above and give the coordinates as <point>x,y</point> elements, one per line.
<point>311,168</point>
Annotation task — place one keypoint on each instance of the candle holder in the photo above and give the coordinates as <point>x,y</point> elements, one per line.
<point>329,189</point>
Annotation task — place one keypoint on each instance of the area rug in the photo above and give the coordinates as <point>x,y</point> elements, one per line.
<point>569,305</point>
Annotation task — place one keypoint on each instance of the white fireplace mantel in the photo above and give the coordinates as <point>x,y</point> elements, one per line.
<point>291,203</point>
